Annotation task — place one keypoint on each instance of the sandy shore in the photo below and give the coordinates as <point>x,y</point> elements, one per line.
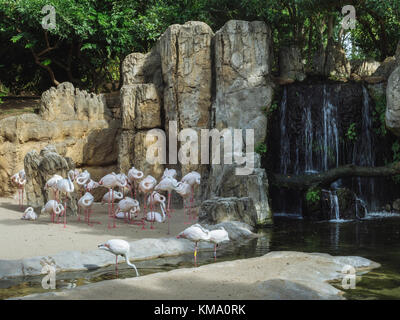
<point>277,275</point>
<point>26,239</point>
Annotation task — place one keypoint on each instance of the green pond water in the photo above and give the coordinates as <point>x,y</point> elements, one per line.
<point>377,238</point>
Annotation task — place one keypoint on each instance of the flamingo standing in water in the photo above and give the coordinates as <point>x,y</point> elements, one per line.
<point>154,216</point>
<point>53,208</point>
<point>167,184</point>
<point>86,203</point>
<point>195,233</point>
<point>119,248</point>
<point>20,180</point>
<point>146,186</point>
<point>184,190</point>
<point>29,214</point>
<point>126,205</point>
<point>112,181</point>
<point>134,176</point>
<point>66,186</point>
<point>216,237</point>
<point>192,178</point>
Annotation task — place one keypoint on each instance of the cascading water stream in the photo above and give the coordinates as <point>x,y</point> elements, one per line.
<point>285,143</point>
<point>312,126</point>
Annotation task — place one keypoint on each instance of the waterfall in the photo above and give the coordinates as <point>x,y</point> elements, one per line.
<point>285,143</point>
<point>330,134</point>
<point>308,135</point>
<point>335,214</point>
<point>360,203</point>
<point>312,125</point>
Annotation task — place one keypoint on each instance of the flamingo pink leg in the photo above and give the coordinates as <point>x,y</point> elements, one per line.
<point>65,212</point>
<point>145,212</point>
<point>112,209</point>
<point>195,255</point>
<point>215,252</point>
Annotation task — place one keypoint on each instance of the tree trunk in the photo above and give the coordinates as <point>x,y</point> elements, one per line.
<point>324,179</point>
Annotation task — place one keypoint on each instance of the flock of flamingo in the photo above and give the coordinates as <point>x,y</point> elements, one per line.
<point>127,208</point>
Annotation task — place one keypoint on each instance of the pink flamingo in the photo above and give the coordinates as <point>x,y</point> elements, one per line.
<point>134,176</point>
<point>195,233</point>
<point>29,214</point>
<point>192,178</point>
<point>118,247</point>
<point>146,186</point>
<point>171,173</point>
<point>216,237</point>
<point>90,185</point>
<point>127,205</point>
<point>86,203</point>
<point>66,186</point>
<point>167,184</point>
<point>20,180</point>
<point>185,191</point>
<point>152,200</point>
<point>53,208</point>
<point>52,184</point>
<point>154,216</point>
<point>115,195</point>
<point>127,215</point>
<point>112,181</point>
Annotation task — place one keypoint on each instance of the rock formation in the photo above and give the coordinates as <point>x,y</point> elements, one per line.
<point>291,63</point>
<point>392,116</point>
<point>77,123</point>
<point>39,167</point>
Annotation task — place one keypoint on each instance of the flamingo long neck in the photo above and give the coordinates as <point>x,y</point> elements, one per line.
<point>162,205</point>
<point>131,264</point>
<point>70,184</point>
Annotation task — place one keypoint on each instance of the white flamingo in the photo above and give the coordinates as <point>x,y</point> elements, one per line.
<point>146,186</point>
<point>19,179</point>
<point>167,184</point>
<point>171,173</point>
<point>134,176</point>
<point>91,184</point>
<point>114,195</point>
<point>118,247</point>
<point>29,214</point>
<point>185,191</point>
<point>66,186</point>
<point>128,215</point>
<point>112,181</point>
<point>83,178</point>
<point>154,216</point>
<point>216,237</point>
<point>195,233</point>
<point>86,203</point>
<point>52,184</point>
<point>152,201</point>
<point>127,204</point>
<point>193,178</point>
<point>53,208</point>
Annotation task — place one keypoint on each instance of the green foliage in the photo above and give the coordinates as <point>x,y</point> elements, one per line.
<point>261,148</point>
<point>378,114</point>
<point>269,111</point>
<point>92,37</point>
<point>351,133</point>
<point>313,195</point>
